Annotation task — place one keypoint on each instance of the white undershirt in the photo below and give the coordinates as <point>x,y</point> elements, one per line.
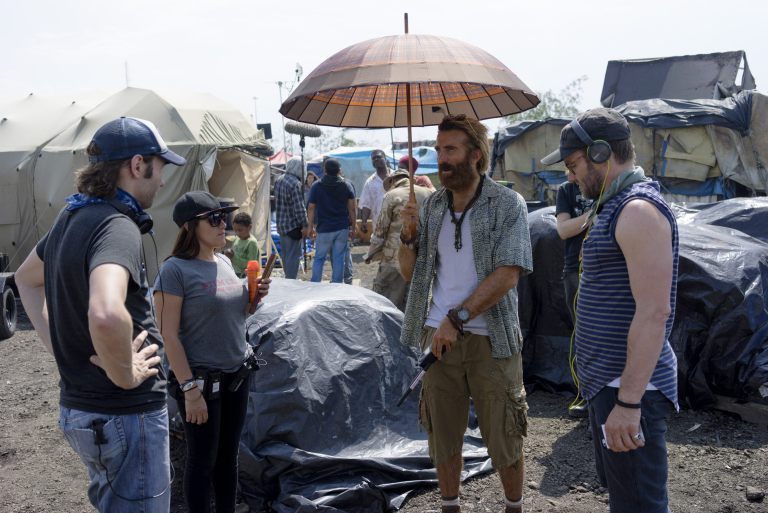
<point>616,383</point>
<point>456,277</point>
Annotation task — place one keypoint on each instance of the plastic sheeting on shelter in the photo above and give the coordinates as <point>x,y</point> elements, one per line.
<point>711,75</point>
<point>734,112</point>
<point>322,431</point>
<point>698,150</point>
<point>356,165</point>
<point>720,334</point>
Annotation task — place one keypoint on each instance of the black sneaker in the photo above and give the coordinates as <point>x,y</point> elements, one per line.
<point>578,411</point>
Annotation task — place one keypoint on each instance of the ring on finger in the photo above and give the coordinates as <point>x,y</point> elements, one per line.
<point>637,436</point>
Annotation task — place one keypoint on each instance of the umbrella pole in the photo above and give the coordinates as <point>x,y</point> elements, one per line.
<point>412,193</point>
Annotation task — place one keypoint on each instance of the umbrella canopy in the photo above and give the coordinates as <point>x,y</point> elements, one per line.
<point>364,85</point>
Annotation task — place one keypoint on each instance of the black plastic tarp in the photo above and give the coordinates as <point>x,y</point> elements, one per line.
<point>720,334</point>
<point>733,112</point>
<point>322,431</point>
<point>721,320</point>
<point>687,77</point>
<point>542,307</point>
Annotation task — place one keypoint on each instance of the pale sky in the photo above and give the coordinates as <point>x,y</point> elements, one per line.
<point>238,50</point>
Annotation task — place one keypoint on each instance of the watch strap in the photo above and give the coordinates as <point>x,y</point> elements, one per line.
<point>188,385</point>
<point>453,316</point>
<point>631,406</point>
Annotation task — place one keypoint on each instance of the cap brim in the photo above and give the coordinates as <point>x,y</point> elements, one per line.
<point>173,158</point>
<point>552,158</point>
<point>228,209</point>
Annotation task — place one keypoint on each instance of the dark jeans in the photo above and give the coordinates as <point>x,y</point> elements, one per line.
<point>571,286</point>
<point>212,450</point>
<point>636,480</point>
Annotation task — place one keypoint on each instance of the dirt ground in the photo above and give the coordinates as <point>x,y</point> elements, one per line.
<point>714,457</point>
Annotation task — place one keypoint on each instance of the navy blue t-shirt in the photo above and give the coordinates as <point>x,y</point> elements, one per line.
<point>571,202</point>
<point>330,195</point>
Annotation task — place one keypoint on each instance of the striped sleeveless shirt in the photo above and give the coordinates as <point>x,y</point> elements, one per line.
<point>605,305</point>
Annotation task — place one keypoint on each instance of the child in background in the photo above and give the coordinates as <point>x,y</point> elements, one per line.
<point>245,247</point>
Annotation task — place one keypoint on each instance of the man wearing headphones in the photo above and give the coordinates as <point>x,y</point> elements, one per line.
<point>625,309</point>
<point>84,288</point>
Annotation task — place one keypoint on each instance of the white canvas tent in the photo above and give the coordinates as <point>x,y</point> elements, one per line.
<point>222,151</point>
<point>25,125</point>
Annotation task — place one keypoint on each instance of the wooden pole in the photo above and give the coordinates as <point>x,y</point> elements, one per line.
<point>412,195</point>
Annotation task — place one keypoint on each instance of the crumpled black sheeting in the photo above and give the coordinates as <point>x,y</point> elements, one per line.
<point>720,334</point>
<point>322,431</point>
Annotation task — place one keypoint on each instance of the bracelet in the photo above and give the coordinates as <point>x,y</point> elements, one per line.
<point>631,406</point>
<point>456,322</point>
<point>188,385</point>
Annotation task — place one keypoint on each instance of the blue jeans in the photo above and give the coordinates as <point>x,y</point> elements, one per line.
<point>348,265</point>
<point>636,480</point>
<point>132,462</point>
<point>290,253</point>
<point>335,243</point>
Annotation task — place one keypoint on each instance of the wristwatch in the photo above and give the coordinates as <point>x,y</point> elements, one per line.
<point>188,385</point>
<point>458,317</point>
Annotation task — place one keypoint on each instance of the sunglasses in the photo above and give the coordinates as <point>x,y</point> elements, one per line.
<point>215,218</point>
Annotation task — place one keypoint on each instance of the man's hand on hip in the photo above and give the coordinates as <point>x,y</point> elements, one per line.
<point>444,337</point>
<point>143,366</point>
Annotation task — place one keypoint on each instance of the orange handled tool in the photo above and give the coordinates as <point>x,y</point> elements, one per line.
<point>253,271</point>
<point>253,289</point>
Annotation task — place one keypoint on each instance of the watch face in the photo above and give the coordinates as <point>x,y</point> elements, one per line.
<point>463,314</point>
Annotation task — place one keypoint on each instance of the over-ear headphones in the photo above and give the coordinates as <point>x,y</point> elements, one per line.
<point>142,220</point>
<point>598,151</point>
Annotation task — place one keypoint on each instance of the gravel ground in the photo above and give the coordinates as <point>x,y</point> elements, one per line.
<point>715,458</point>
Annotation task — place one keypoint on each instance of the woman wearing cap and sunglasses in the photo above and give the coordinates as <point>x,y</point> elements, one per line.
<point>201,309</point>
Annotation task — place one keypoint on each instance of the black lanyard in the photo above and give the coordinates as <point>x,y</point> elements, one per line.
<point>457,222</point>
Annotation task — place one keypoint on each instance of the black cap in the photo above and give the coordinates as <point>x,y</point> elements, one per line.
<point>332,166</point>
<point>599,124</point>
<point>197,204</point>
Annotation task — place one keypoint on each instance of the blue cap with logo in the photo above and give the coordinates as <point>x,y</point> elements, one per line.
<point>125,137</point>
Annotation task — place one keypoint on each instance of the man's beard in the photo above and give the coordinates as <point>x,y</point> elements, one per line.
<point>462,175</point>
<point>592,183</point>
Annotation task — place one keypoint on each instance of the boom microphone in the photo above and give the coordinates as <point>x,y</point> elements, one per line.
<point>302,129</point>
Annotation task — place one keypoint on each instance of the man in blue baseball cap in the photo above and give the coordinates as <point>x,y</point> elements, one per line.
<point>84,288</point>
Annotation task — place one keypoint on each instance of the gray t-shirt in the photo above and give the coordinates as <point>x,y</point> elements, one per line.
<point>80,241</point>
<point>212,325</point>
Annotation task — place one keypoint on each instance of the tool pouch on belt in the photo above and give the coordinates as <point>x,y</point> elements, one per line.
<point>209,383</point>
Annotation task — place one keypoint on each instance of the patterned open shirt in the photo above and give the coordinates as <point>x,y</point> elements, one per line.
<point>500,237</point>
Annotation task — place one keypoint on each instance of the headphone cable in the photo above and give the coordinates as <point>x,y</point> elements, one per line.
<point>579,400</point>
